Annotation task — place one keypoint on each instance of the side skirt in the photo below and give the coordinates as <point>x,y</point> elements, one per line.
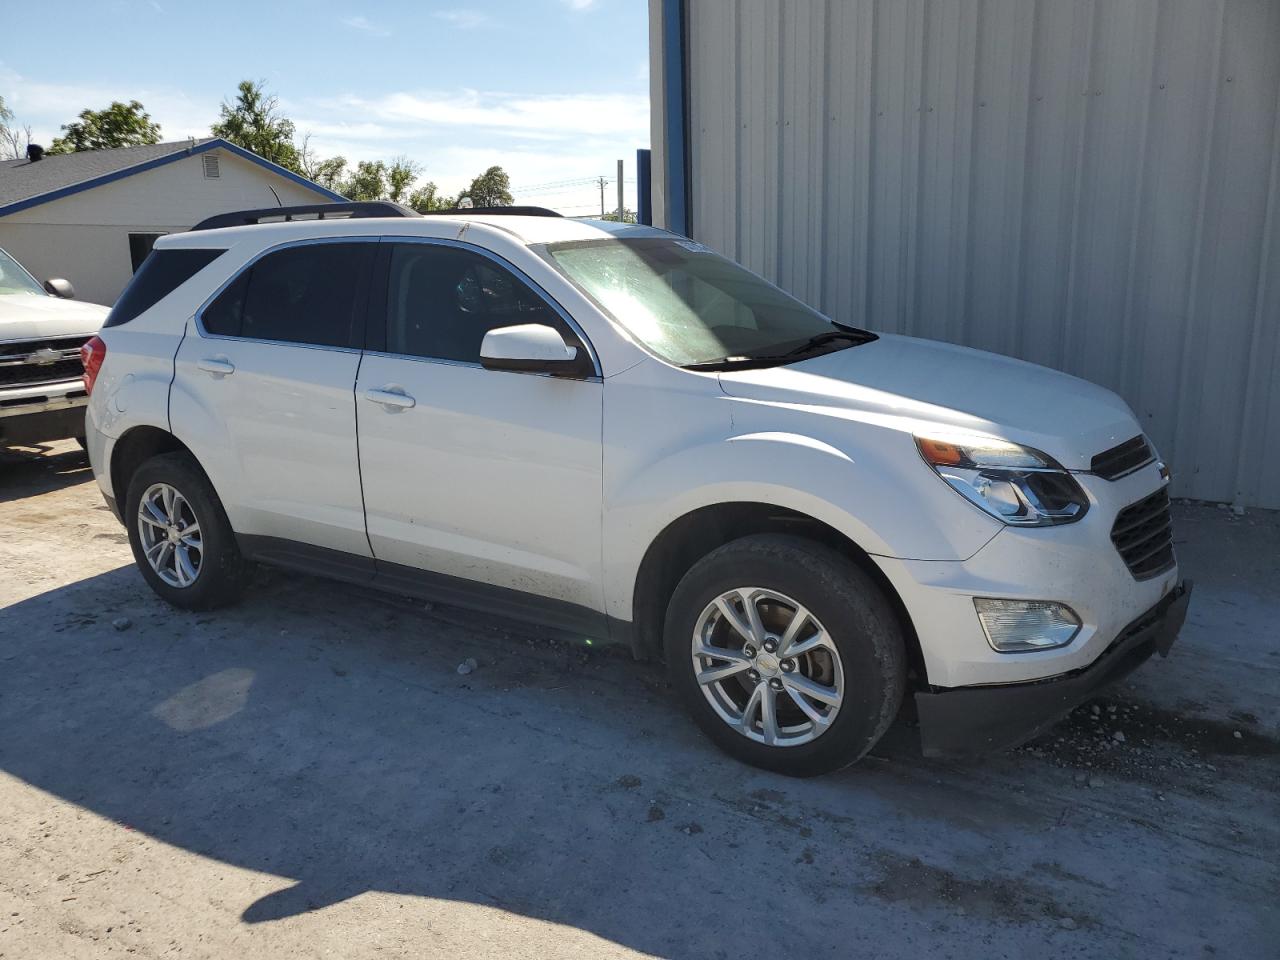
<point>570,618</point>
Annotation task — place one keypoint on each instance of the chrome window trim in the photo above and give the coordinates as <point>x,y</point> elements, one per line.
<point>387,355</point>
<point>198,317</point>
<point>527,280</point>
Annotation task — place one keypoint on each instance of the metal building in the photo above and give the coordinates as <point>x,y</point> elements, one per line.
<point>1093,185</point>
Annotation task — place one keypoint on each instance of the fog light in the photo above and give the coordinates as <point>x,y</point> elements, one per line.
<point>1016,626</point>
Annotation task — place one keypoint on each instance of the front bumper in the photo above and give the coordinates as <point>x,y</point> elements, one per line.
<point>965,721</point>
<point>31,420</point>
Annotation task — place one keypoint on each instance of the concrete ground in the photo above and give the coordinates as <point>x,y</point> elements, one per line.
<point>309,775</point>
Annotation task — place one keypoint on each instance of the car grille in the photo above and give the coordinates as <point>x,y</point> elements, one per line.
<point>1143,533</point>
<point>33,363</point>
<point>1122,460</point>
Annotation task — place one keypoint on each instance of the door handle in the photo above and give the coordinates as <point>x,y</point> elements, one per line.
<point>217,366</point>
<point>390,398</point>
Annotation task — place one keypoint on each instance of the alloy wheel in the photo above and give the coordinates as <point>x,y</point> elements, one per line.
<point>767,666</point>
<point>170,533</point>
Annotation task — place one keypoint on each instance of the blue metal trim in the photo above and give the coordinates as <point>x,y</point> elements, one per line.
<point>675,64</point>
<point>644,187</point>
<point>215,144</point>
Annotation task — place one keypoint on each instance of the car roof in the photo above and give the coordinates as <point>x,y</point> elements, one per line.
<point>528,230</point>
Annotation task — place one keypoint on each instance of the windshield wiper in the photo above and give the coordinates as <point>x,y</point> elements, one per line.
<point>855,336</point>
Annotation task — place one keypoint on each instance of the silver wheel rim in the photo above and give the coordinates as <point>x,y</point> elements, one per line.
<point>768,667</point>
<point>171,539</point>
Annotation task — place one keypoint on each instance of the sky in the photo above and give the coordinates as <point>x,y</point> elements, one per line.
<point>555,91</point>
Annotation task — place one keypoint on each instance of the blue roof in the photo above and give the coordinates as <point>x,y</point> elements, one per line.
<point>24,184</point>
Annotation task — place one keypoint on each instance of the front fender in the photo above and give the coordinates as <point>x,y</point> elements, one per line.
<point>881,497</point>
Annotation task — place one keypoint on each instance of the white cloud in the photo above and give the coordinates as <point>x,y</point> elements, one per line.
<point>538,139</point>
<point>580,4</point>
<point>465,19</point>
<point>46,106</point>
<point>364,26</point>
<point>554,116</point>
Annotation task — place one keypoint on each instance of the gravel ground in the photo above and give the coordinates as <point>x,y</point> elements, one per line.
<point>310,774</point>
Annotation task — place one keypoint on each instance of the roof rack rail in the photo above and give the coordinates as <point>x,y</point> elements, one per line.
<point>491,211</point>
<point>313,211</point>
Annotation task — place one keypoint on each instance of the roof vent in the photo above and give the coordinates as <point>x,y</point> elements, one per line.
<point>35,152</point>
<point>210,161</point>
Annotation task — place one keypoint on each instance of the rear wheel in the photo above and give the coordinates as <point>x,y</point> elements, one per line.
<point>180,535</point>
<point>786,654</point>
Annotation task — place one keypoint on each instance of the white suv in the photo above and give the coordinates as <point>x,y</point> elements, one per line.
<point>613,431</point>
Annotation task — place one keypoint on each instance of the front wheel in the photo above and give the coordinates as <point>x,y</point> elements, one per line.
<point>180,535</point>
<point>786,653</point>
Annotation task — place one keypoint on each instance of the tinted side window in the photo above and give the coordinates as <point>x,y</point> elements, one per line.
<point>160,274</point>
<point>224,314</point>
<point>313,294</point>
<point>441,302</point>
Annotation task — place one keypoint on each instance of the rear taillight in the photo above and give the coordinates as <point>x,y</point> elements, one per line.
<point>92,354</point>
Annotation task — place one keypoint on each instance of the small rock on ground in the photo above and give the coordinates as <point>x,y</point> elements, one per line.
<point>122,623</point>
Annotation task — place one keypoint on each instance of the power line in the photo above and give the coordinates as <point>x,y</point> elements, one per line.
<point>554,183</point>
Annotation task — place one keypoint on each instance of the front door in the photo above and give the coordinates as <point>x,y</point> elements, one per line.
<point>479,477</point>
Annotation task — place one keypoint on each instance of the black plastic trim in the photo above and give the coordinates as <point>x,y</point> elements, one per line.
<point>425,584</point>
<point>364,210</point>
<point>967,721</point>
<point>493,211</point>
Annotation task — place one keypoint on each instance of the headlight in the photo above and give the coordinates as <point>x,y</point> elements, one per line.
<point>1015,484</point>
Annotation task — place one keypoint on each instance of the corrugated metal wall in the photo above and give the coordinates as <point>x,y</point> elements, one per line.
<point>1088,185</point>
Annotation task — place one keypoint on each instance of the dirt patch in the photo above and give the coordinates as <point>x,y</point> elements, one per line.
<point>1139,741</point>
<point>1004,899</point>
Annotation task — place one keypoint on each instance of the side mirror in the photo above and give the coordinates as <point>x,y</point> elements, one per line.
<point>60,288</point>
<point>531,348</point>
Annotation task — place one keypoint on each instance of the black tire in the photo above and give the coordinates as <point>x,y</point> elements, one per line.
<point>855,614</point>
<point>222,570</point>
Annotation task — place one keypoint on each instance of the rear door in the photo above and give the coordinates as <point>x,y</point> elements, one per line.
<point>263,396</point>
<point>479,476</point>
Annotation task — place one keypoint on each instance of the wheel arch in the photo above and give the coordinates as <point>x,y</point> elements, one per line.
<point>689,538</point>
<point>134,448</point>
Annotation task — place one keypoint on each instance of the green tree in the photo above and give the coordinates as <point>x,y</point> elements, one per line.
<point>326,172</point>
<point>367,182</point>
<point>491,189</point>
<point>628,216</point>
<point>119,125</point>
<point>400,176</point>
<point>428,197</point>
<point>254,122</point>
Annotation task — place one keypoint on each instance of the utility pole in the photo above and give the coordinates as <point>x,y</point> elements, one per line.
<point>602,183</point>
<point>621,209</point>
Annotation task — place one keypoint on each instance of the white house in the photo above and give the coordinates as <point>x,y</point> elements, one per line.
<point>92,217</point>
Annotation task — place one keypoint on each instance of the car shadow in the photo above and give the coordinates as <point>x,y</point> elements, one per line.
<point>325,736</point>
<point>41,468</point>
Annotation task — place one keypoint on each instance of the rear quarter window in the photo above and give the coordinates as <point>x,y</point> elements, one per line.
<point>160,274</point>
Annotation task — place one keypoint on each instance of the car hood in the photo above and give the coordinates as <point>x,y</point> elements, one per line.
<point>27,317</point>
<point>918,384</point>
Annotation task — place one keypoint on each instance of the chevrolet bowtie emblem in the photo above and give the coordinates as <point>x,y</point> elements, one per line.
<point>44,356</point>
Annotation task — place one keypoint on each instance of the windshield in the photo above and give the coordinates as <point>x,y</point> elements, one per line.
<point>694,307</point>
<point>14,279</point>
